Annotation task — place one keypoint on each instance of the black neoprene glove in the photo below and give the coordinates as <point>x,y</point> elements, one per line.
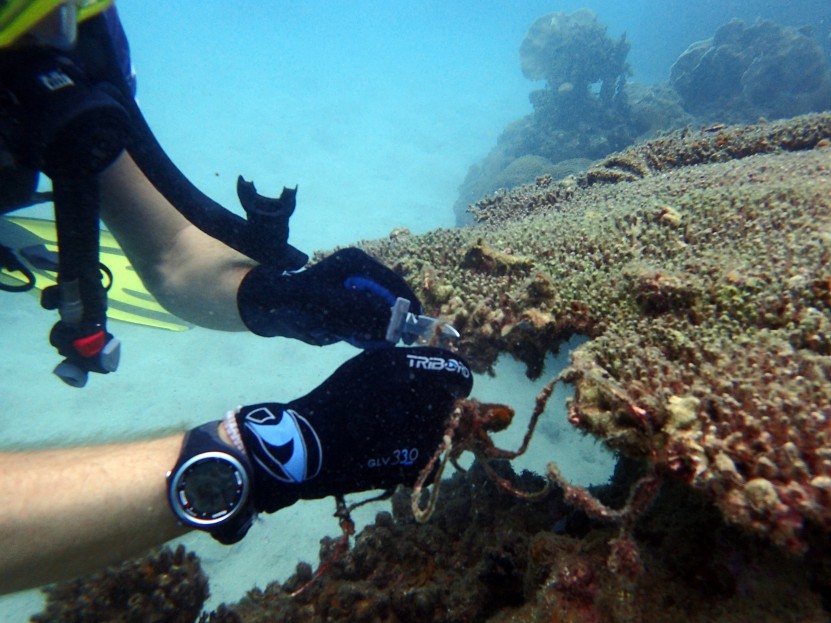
<point>346,296</point>
<point>373,424</point>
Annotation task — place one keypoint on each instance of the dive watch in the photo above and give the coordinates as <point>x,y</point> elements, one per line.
<point>210,486</point>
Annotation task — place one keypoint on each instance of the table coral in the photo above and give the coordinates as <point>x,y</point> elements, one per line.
<point>699,265</point>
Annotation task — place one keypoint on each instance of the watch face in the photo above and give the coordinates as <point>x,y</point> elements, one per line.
<point>209,488</point>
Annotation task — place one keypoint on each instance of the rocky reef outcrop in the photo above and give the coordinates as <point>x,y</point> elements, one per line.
<point>588,108</point>
<point>746,72</point>
<point>581,114</point>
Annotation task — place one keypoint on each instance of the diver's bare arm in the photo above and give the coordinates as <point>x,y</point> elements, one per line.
<point>191,274</point>
<point>72,511</point>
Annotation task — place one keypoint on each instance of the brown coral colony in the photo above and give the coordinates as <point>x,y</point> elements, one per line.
<point>709,357</point>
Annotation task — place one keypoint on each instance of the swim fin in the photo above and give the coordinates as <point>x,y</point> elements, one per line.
<point>127,300</point>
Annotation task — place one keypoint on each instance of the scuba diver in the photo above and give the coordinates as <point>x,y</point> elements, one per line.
<point>67,110</point>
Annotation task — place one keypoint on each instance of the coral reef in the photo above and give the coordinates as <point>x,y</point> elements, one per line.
<point>699,265</point>
<point>164,587</point>
<point>572,52</point>
<point>704,283</point>
<point>581,114</point>
<point>741,74</point>
<point>489,556</point>
<point>499,171</point>
<point>715,143</point>
<point>744,72</point>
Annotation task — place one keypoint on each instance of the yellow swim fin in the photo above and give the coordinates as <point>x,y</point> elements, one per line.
<point>127,300</point>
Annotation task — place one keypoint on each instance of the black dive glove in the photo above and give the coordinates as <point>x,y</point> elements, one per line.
<point>346,296</point>
<point>373,424</point>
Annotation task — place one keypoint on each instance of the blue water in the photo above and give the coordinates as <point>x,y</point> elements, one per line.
<point>376,109</point>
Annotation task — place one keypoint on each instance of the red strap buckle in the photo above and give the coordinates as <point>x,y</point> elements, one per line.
<point>90,345</point>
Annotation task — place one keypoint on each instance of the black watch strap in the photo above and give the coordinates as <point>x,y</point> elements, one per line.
<point>203,443</point>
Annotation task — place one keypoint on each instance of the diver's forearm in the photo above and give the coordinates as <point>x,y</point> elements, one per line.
<point>72,511</point>
<point>191,274</point>
<point>138,215</point>
<point>201,281</point>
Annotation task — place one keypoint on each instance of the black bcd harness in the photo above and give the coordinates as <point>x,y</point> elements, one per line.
<point>70,114</point>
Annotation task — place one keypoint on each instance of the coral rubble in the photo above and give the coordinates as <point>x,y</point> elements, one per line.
<point>166,586</point>
<point>699,265</point>
<point>488,556</point>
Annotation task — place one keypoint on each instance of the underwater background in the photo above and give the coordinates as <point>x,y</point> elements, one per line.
<point>377,111</point>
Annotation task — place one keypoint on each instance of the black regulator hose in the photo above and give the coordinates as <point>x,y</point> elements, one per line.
<point>263,236</point>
